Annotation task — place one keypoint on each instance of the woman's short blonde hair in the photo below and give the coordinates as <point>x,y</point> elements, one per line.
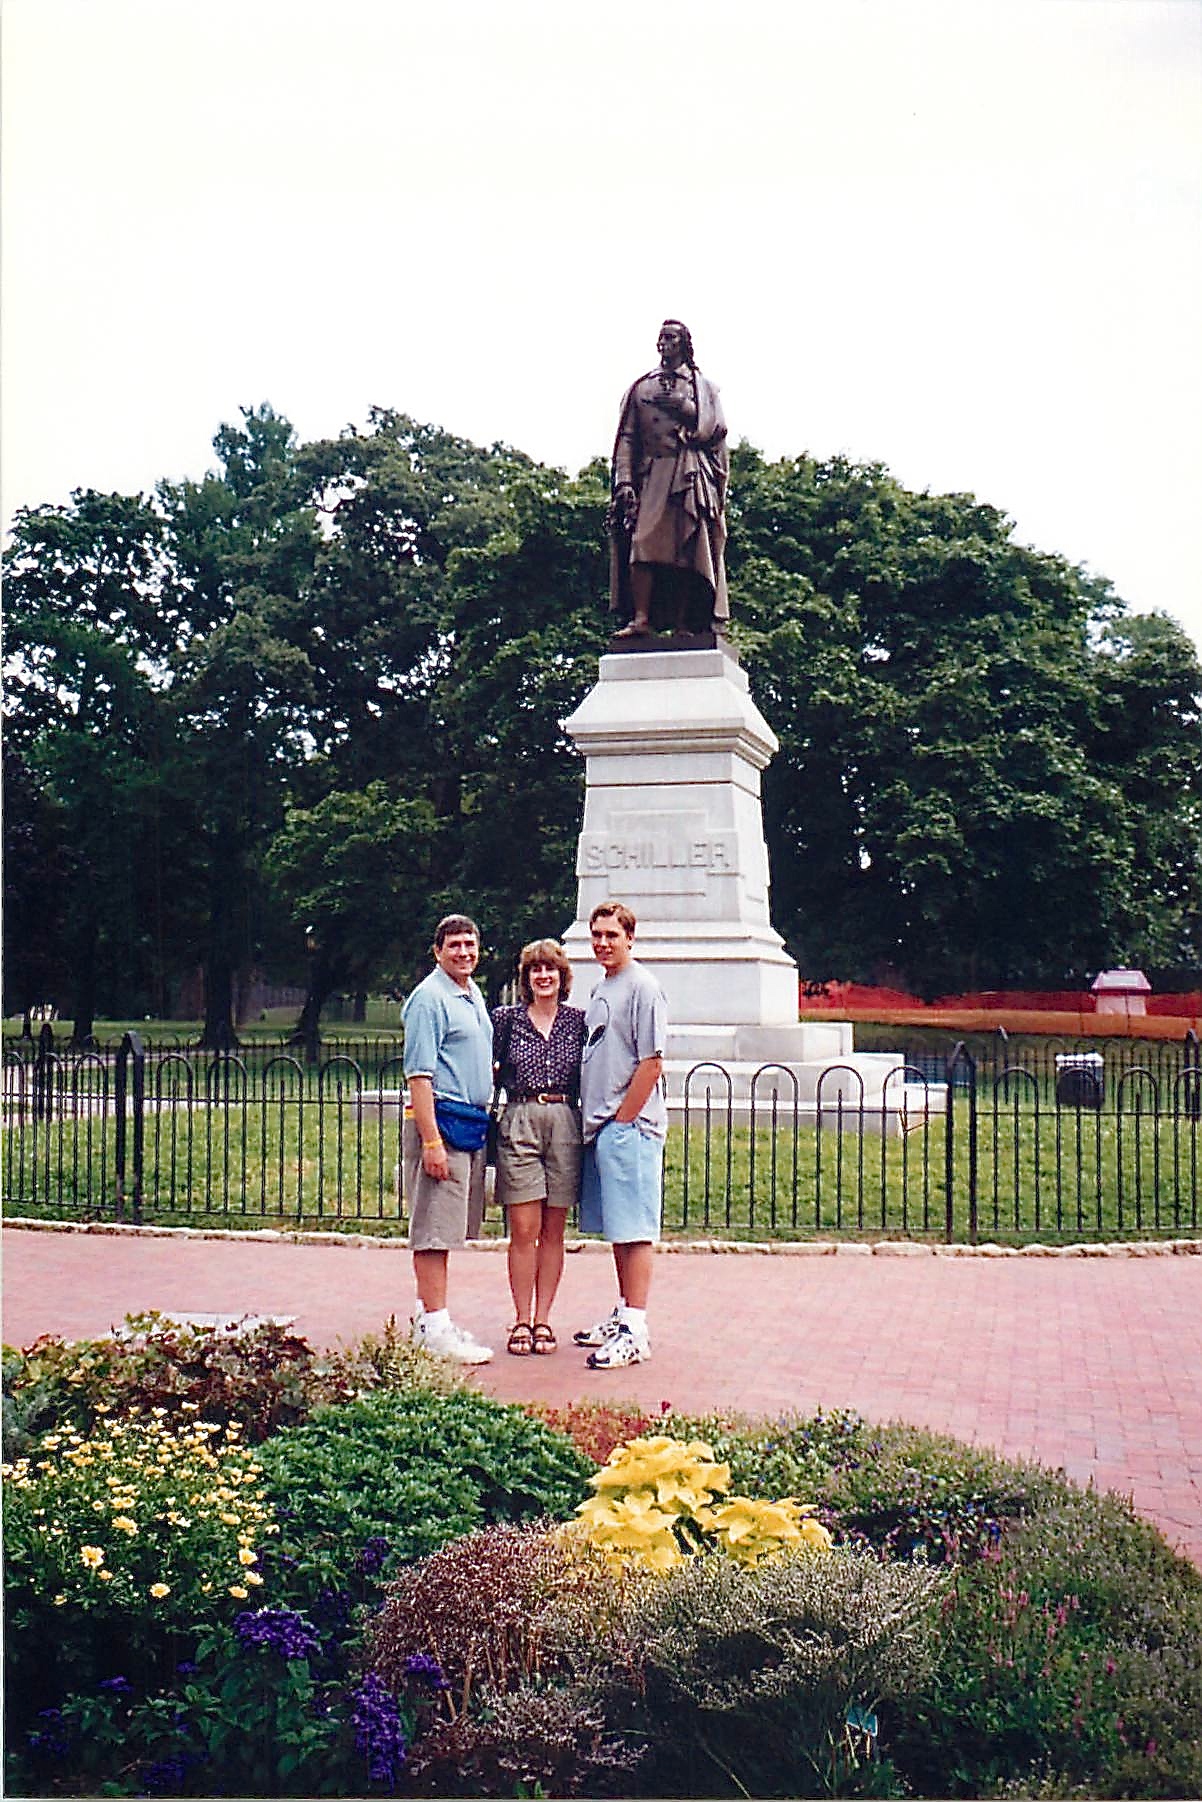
<point>544,951</point>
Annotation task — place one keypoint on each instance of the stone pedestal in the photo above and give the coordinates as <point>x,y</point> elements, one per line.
<point>673,746</point>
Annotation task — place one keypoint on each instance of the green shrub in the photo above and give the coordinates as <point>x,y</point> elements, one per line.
<point>794,1455</point>
<point>385,1360</point>
<point>894,1488</point>
<point>250,1714</point>
<point>391,1477</point>
<point>265,1377</point>
<point>764,1681</point>
<point>914,1491</point>
<point>1072,1659</point>
<point>262,1378</point>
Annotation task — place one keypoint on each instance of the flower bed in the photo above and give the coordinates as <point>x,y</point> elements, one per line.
<point>242,1568</point>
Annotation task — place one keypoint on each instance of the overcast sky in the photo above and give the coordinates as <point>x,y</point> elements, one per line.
<point>959,237</point>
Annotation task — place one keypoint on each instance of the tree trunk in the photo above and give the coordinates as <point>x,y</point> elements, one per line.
<point>83,1030</point>
<point>218,1033</point>
<point>359,1016</point>
<point>322,980</point>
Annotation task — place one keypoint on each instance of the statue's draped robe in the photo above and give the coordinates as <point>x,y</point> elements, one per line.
<point>680,477</point>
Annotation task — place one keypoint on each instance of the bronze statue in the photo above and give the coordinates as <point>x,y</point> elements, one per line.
<point>667,513</point>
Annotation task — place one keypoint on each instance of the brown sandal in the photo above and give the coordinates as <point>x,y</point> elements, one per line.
<point>521,1339</point>
<point>544,1341</point>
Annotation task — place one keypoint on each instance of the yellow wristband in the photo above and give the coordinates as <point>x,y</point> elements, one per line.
<point>429,1144</point>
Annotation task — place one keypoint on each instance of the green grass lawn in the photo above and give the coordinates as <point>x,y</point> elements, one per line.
<point>267,1139</point>
<point>296,1159</point>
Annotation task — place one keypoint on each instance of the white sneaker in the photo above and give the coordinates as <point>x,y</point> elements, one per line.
<point>604,1329</point>
<point>621,1347</point>
<point>450,1341</point>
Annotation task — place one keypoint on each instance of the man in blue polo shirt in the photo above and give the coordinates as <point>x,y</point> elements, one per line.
<point>448,1060</point>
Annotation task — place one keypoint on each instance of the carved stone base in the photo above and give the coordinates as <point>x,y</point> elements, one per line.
<point>674,746</point>
<point>673,641</point>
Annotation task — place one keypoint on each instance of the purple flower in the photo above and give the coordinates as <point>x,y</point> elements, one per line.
<point>373,1554</point>
<point>115,1686</point>
<point>425,1669</point>
<point>165,1777</point>
<point>278,1630</point>
<point>379,1735</point>
<point>51,1740</point>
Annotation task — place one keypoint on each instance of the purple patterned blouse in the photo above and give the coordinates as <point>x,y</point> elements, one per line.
<point>531,1064</point>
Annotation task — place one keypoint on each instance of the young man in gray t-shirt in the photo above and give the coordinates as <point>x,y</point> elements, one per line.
<point>625,1120</point>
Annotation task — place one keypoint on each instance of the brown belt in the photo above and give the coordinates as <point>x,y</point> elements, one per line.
<point>541,1095</point>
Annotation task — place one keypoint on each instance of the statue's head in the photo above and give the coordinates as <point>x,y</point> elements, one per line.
<point>676,339</point>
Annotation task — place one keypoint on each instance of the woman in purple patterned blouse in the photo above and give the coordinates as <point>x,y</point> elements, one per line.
<point>537,1046</point>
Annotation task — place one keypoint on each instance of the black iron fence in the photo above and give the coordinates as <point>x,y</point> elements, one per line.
<point>1070,1143</point>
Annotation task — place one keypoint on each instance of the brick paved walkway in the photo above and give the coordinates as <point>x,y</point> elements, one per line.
<point>1087,1363</point>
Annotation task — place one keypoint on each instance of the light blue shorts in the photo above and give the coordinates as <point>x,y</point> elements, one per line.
<point>622,1185</point>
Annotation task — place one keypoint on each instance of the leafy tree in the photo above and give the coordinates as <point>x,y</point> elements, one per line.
<point>1148,740</point>
<point>243,542</point>
<point>459,591</point>
<point>35,888</point>
<point>322,687</point>
<point>86,633</point>
<point>354,872</point>
<point>944,807</point>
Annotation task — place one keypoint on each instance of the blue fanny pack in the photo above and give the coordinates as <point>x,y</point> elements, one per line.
<point>462,1125</point>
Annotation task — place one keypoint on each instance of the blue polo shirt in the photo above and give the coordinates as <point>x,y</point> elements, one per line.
<point>448,1037</point>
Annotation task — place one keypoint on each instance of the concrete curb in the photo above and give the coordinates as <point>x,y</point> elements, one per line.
<point>808,1248</point>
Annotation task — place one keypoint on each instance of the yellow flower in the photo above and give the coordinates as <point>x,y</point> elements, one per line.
<point>124,1524</point>
<point>60,1599</point>
<point>815,1534</point>
<point>683,1474</point>
<point>159,1590</point>
<point>106,1576</point>
<point>246,1556</point>
<point>252,1576</point>
<point>231,1520</point>
<point>635,1526</point>
<point>92,1556</point>
<point>237,1591</point>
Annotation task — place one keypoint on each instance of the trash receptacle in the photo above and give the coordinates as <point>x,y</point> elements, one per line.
<point>1079,1079</point>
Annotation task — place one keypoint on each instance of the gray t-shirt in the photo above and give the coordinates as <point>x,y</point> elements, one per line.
<point>626,1021</point>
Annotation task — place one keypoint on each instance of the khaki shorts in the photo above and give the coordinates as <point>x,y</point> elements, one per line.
<point>538,1154</point>
<point>441,1215</point>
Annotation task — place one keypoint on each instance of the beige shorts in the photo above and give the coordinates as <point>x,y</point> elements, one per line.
<point>538,1154</point>
<point>441,1215</point>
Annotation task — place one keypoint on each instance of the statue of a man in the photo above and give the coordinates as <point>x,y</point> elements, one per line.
<point>667,515</point>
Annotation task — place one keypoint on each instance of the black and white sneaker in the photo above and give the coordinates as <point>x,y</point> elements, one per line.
<point>597,1335</point>
<point>621,1347</point>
